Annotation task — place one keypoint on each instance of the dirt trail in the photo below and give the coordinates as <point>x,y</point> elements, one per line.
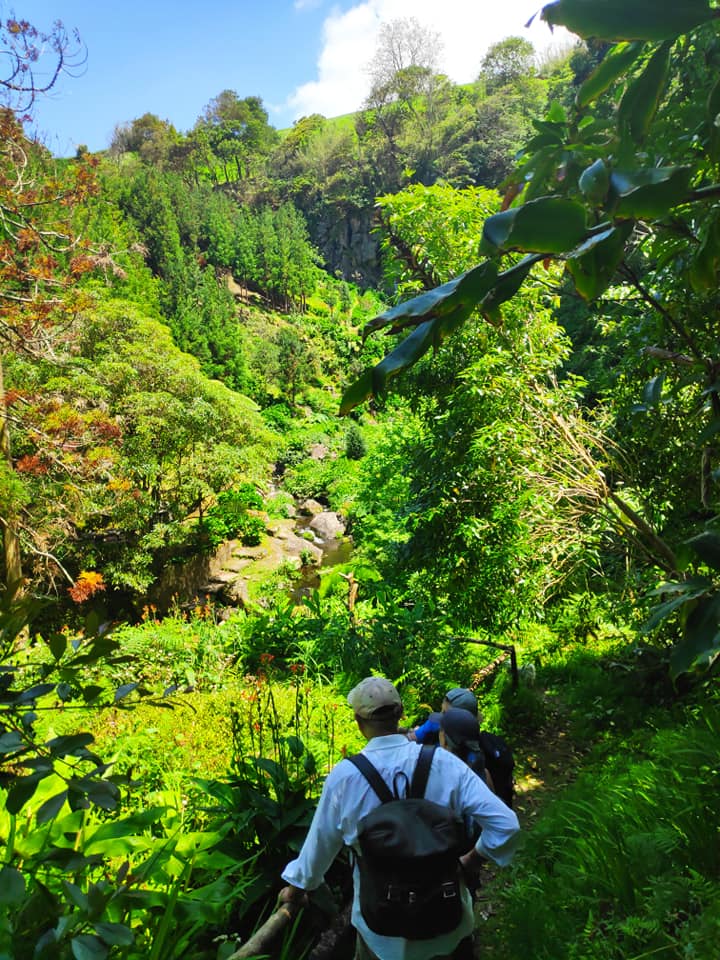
<point>544,766</point>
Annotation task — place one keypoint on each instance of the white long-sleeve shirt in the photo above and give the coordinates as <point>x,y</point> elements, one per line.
<point>346,798</point>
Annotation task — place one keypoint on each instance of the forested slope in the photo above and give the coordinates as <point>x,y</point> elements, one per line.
<point>526,458</point>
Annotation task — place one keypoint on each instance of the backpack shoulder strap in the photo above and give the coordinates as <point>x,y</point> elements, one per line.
<point>422,771</point>
<point>372,776</point>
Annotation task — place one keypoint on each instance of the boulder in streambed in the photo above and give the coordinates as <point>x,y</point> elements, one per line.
<point>327,525</point>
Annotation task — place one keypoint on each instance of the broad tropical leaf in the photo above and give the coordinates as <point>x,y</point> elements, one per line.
<point>628,19</point>
<point>617,60</point>
<point>546,225</point>
<point>650,192</point>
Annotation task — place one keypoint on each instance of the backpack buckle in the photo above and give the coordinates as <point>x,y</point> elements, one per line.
<point>449,890</point>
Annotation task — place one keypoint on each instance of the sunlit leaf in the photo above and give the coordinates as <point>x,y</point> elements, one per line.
<point>546,225</point>
<point>627,19</point>
<point>649,192</point>
<point>642,97</point>
<point>616,61</point>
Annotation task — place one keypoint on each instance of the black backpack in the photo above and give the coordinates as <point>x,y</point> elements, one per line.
<point>499,763</point>
<point>409,871</point>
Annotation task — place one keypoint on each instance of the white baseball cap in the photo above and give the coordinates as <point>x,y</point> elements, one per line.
<point>372,695</point>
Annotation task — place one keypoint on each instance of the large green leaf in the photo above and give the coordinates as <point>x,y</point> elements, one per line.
<point>594,263</point>
<point>468,287</point>
<point>358,392</point>
<point>51,807</point>
<point>682,592</point>
<point>114,934</point>
<point>707,546</point>
<point>507,284</point>
<point>701,637</point>
<point>628,19</point>
<point>404,355</point>
<point>85,946</point>
<point>615,63</point>
<point>594,182</point>
<point>642,98</point>
<point>12,886</point>
<point>546,225</point>
<point>649,192</point>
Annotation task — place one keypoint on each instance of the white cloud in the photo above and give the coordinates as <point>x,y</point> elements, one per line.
<point>467,28</point>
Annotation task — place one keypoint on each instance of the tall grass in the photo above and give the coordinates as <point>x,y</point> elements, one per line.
<point>626,864</point>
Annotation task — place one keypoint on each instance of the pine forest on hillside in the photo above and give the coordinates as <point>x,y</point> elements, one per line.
<point>392,393</point>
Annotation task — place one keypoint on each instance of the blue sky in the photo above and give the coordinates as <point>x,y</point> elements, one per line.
<point>300,56</point>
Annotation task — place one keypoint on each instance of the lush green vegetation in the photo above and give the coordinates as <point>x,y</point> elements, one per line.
<point>181,320</point>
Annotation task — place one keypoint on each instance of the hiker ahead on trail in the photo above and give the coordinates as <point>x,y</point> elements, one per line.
<point>491,756</point>
<point>485,753</point>
<point>459,698</point>
<point>410,901</point>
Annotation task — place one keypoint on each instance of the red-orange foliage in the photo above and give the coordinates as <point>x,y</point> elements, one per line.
<point>87,585</point>
<point>31,464</point>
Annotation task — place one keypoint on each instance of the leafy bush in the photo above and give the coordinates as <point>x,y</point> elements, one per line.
<point>229,518</point>
<point>355,447</point>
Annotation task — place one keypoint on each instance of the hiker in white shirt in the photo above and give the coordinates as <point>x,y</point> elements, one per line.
<point>347,797</point>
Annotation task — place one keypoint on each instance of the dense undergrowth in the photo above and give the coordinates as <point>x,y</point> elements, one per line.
<point>216,752</point>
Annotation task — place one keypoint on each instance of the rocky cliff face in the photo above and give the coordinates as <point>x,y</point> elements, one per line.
<point>343,237</point>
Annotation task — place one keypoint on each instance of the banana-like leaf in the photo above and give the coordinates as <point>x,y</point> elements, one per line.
<point>467,287</point>
<point>628,19</point>
<point>642,98</point>
<point>507,285</point>
<point>404,355</point>
<point>701,638</point>
<point>650,192</point>
<point>482,285</point>
<point>358,392</point>
<point>616,61</point>
<point>682,592</point>
<point>546,225</point>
